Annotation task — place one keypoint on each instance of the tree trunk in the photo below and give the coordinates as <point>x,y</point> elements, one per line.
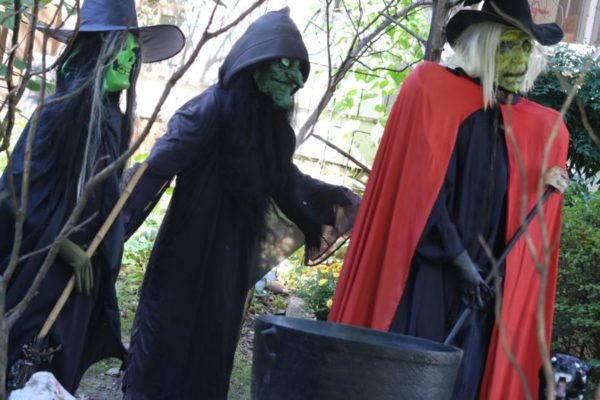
<point>437,33</point>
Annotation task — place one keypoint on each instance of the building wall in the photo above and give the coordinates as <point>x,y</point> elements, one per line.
<point>579,19</point>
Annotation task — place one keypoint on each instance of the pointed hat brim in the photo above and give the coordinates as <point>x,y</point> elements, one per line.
<point>158,42</point>
<point>545,34</point>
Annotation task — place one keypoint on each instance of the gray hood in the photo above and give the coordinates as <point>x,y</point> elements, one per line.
<point>272,36</point>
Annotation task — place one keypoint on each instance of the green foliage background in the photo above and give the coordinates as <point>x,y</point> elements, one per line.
<point>577,312</point>
<point>551,89</point>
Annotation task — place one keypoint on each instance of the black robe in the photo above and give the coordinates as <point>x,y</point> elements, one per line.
<point>213,246</point>
<point>87,329</point>
<point>471,202</point>
<point>204,260</point>
<point>409,172</point>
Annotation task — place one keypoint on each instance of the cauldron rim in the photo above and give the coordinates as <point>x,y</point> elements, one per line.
<point>360,335</point>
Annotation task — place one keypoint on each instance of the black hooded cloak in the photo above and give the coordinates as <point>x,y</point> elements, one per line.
<point>87,329</point>
<point>221,232</point>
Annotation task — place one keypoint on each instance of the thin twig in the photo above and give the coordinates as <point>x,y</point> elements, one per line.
<point>499,322</point>
<point>522,216</point>
<point>342,152</point>
<point>21,210</point>
<point>44,249</point>
<point>396,70</point>
<point>548,372</point>
<point>354,51</point>
<point>328,38</point>
<point>406,28</point>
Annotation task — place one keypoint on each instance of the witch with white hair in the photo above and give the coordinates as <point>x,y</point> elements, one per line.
<point>81,129</point>
<point>446,186</point>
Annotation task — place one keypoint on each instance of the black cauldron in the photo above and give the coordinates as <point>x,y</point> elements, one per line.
<point>297,359</point>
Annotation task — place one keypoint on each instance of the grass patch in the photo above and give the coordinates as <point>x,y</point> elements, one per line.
<point>241,376</point>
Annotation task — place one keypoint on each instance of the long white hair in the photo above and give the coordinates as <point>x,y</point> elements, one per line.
<point>475,53</point>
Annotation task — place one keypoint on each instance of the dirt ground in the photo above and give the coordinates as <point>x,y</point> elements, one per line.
<point>101,383</point>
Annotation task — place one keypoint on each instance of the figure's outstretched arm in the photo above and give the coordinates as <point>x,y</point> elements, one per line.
<point>325,213</point>
<point>189,135</point>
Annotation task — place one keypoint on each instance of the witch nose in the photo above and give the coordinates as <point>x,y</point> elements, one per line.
<point>297,77</point>
<point>520,56</point>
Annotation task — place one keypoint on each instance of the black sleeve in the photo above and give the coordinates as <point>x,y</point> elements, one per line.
<point>190,135</point>
<point>440,241</point>
<point>324,213</point>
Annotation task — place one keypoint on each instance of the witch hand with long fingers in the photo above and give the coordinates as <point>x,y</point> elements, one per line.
<point>75,138</point>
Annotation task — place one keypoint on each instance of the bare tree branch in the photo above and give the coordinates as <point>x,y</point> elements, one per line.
<point>404,67</point>
<point>354,51</point>
<point>355,26</point>
<point>522,216</point>
<point>342,152</point>
<point>586,122</point>
<point>437,36</point>
<point>15,93</point>
<point>499,322</point>
<point>21,209</point>
<point>10,85</point>
<point>546,246</point>
<point>48,247</point>
<point>406,28</point>
<point>328,36</point>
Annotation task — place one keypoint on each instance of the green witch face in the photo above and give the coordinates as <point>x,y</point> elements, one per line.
<point>512,59</point>
<point>279,79</point>
<point>118,75</point>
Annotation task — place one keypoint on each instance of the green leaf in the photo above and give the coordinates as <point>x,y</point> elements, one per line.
<point>7,19</point>
<point>380,108</point>
<point>3,70</point>
<point>20,64</point>
<point>34,85</point>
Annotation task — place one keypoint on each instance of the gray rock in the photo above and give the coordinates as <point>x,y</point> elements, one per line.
<point>296,309</point>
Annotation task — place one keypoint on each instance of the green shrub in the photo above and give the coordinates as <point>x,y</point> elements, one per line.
<point>593,379</point>
<point>551,89</point>
<point>577,313</point>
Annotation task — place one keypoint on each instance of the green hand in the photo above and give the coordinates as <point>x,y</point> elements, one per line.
<point>73,255</point>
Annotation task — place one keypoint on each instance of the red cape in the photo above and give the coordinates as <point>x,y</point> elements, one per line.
<point>407,175</point>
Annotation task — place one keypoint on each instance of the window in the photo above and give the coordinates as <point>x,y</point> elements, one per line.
<point>596,30</point>
<point>579,19</point>
<point>571,19</point>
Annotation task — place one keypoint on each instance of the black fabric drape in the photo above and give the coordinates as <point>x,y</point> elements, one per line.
<point>471,203</point>
<point>88,328</point>
<point>204,260</point>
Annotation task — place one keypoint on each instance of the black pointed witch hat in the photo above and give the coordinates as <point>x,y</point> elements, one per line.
<point>158,42</point>
<point>515,13</point>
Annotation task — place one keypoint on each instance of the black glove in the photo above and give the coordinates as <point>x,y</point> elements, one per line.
<point>74,256</point>
<point>474,288</point>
